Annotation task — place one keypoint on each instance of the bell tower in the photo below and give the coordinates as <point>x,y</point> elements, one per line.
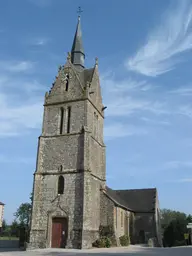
<point>70,169</point>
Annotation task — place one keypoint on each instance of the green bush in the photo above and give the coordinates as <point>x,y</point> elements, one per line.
<point>124,240</point>
<point>103,242</point>
<point>107,242</point>
<point>180,243</point>
<point>99,243</point>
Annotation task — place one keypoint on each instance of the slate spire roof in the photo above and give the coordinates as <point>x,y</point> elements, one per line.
<point>77,51</point>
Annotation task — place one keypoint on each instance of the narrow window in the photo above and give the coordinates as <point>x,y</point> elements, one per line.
<point>122,219</point>
<point>97,127</point>
<point>116,217</point>
<point>60,185</point>
<point>67,83</point>
<point>61,120</point>
<point>60,168</point>
<point>68,119</point>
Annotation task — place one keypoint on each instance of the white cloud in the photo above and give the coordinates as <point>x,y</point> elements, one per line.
<point>183,180</point>
<point>16,66</point>
<point>177,165</point>
<point>117,130</point>
<point>41,3</point>
<point>39,41</point>
<point>182,91</point>
<point>154,121</point>
<point>185,110</point>
<point>171,37</point>
<point>126,97</point>
<point>16,120</point>
<point>16,159</point>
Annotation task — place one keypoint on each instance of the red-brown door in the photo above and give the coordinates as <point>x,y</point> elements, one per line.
<point>59,232</point>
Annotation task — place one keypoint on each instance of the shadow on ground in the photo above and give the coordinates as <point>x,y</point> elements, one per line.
<point>137,252</point>
<point>179,251</point>
<point>10,249</point>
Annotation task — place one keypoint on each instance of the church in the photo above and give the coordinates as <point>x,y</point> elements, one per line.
<point>71,200</point>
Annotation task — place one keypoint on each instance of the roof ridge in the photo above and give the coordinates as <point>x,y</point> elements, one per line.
<point>132,189</point>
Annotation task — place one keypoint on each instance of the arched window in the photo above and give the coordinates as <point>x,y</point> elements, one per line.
<point>60,168</point>
<point>61,184</point>
<point>61,120</point>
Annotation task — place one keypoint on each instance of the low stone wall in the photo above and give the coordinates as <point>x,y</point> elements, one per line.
<point>9,243</point>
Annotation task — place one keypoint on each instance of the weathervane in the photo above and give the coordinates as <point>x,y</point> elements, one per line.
<point>79,11</point>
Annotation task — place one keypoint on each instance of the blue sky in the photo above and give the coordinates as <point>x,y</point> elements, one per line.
<point>144,50</point>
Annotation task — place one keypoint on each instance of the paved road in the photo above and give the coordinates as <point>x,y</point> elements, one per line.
<point>131,251</point>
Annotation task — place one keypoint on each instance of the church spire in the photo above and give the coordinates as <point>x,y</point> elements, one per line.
<point>77,51</point>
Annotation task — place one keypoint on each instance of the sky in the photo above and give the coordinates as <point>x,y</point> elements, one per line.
<point>144,50</point>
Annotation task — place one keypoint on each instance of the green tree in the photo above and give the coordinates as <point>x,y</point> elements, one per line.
<point>15,228</point>
<point>4,225</point>
<point>189,218</point>
<point>174,225</point>
<point>23,214</point>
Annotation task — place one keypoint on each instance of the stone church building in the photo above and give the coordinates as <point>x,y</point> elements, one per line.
<point>70,197</point>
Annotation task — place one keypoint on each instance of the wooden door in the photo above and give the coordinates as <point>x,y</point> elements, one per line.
<point>59,232</point>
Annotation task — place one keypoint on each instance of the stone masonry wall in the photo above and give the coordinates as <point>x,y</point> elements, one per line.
<point>144,222</point>
<point>68,205</point>
<point>79,156</point>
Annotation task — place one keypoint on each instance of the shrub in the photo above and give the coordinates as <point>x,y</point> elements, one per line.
<point>180,243</point>
<point>124,240</point>
<point>99,243</point>
<point>103,242</point>
<point>107,242</point>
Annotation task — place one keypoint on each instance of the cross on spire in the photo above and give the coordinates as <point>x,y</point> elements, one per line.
<point>77,51</point>
<point>79,11</point>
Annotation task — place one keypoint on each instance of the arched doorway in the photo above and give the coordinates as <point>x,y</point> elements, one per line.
<point>141,236</point>
<point>59,232</point>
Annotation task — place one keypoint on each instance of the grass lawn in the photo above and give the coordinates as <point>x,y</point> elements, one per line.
<point>8,238</point>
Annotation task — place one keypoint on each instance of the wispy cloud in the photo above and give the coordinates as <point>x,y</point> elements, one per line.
<point>16,159</point>
<point>21,101</point>
<point>17,119</point>
<point>186,110</point>
<point>183,180</point>
<point>182,91</point>
<point>170,38</point>
<point>16,66</point>
<point>41,41</point>
<point>177,165</point>
<point>117,130</point>
<point>41,3</point>
<point>155,121</point>
<point>129,96</point>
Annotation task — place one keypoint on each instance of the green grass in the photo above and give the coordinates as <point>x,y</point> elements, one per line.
<point>8,238</point>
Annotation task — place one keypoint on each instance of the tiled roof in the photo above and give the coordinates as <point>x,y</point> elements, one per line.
<point>137,200</point>
<point>2,203</point>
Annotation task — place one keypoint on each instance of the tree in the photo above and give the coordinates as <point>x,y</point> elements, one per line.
<point>23,214</point>
<point>174,225</point>
<point>15,228</point>
<point>4,225</point>
<point>189,218</point>
<point>168,215</point>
